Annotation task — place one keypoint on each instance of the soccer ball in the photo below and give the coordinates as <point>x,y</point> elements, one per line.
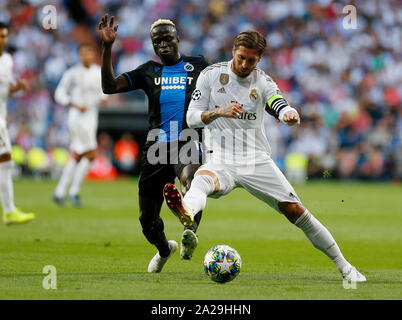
<point>222,263</point>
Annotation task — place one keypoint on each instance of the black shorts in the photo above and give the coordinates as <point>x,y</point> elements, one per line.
<point>153,177</point>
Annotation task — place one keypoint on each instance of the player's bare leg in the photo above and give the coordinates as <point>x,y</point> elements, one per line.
<point>5,157</point>
<point>320,237</point>
<point>11,214</point>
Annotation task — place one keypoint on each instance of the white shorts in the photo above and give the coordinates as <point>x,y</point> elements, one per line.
<point>263,180</point>
<point>83,136</point>
<point>5,143</point>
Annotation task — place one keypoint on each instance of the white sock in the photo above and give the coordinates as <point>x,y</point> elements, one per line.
<point>80,173</point>
<point>6,187</point>
<point>65,179</point>
<point>196,197</point>
<point>321,239</point>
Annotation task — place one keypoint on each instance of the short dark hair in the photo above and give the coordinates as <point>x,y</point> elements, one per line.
<point>3,25</point>
<point>252,40</point>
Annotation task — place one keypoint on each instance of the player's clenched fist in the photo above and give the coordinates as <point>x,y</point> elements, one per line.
<point>107,30</point>
<point>232,110</point>
<point>291,118</point>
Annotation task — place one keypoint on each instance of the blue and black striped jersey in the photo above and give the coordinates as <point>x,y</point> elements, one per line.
<point>169,90</point>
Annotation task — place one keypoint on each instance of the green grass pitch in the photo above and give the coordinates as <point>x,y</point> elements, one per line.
<point>100,253</point>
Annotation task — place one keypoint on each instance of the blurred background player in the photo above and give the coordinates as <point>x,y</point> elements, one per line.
<point>167,105</point>
<point>10,213</point>
<point>243,91</point>
<point>80,90</point>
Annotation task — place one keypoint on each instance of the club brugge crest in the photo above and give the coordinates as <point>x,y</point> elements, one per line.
<point>253,95</point>
<point>224,78</point>
<point>188,67</point>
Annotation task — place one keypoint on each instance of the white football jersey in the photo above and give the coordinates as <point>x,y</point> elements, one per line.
<point>242,139</point>
<point>6,71</point>
<point>82,86</point>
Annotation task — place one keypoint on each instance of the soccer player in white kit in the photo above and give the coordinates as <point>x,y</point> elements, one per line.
<point>228,102</point>
<point>80,90</point>
<point>11,214</point>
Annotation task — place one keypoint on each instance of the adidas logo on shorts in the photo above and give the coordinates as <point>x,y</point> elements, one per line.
<point>222,90</point>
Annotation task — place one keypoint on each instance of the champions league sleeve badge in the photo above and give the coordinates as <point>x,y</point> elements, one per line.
<point>188,67</point>
<point>196,95</point>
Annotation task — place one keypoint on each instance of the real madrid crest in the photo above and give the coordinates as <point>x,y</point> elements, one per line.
<point>188,67</point>
<point>253,95</point>
<point>224,78</point>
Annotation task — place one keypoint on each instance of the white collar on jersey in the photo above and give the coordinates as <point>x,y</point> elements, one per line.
<point>235,76</point>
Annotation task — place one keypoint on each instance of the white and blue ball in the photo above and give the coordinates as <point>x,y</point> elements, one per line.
<point>222,263</point>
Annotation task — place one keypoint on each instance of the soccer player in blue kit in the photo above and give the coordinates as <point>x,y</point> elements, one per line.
<point>169,86</point>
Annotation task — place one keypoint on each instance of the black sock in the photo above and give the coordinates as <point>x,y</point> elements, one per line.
<point>197,219</point>
<point>163,248</point>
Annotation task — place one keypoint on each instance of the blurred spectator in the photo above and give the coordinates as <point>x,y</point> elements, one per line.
<point>19,157</point>
<point>126,153</point>
<point>296,167</point>
<point>102,167</point>
<point>37,162</point>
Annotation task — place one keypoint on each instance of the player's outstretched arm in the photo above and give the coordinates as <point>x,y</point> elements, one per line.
<point>107,32</point>
<point>232,110</point>
<point>279,108</point>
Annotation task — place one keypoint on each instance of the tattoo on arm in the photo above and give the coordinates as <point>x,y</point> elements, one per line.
<point>210,115</point>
